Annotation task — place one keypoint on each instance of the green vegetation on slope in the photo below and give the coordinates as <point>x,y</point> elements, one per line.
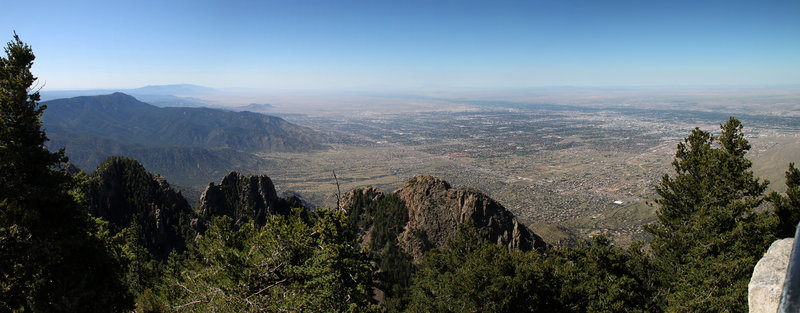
<point>473,275</point>
<point>381,218</point>
<point>122,118</point>
<point>185,166</point>
<point>190,145</point>
<point>122,192</point>
<point>289,264</point>
<point>786,206</point>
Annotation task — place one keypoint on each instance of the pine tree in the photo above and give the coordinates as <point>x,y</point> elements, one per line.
<point>709,236</point>
<point>787,208</point>
<point>292,263</point>
<point>473,275</point>
<point>50,256</point>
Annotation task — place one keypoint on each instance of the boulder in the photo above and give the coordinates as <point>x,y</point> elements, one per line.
<point>764,290</point>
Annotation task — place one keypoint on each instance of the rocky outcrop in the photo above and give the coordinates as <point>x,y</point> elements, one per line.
<point>766,285</point>
<point>351,199</point>
<point>435,210</point>
<point>124,193</point>
<point>242,197</point>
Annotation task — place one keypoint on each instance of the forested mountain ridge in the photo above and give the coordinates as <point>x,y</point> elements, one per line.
<point>185,166</point>
<point>191,146</point>
<point>463,236</point>
<point>122,118</point>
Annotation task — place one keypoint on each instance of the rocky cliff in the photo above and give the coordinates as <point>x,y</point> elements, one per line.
<point>435,210</point>
<point>241,197</point>
<point>766,285</point>
<point>124,193</point>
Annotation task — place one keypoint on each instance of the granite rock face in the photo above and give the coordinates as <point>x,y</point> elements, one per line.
<point>349,198</point>
<point>764,290</point>
<point>435,211</point>
<point>124,193</point>
<point>241,197</point>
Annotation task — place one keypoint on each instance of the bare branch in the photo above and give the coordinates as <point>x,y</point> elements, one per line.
<point>338,192</point>
<point>267,287</point>
<point>187,304</point>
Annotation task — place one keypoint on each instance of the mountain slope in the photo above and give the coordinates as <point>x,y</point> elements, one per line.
<point>185,166</point>
<point>124,193</point>
<point>122,118</point>
<point>434,212</point>
<point>244,197</point>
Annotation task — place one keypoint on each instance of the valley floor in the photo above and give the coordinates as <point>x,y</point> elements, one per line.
<point>567,174</point>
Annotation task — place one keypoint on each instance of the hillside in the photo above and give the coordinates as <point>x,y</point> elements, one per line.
<point>122,192</point>
<point>191,146</point>
<point>430,212</point>
<point>185,166</point>
<point>436,210</point>
<point>122,118</point>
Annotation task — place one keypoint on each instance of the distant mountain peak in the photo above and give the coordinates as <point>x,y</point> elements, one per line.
<point>174,89</point>
<point>80,103</point>
<point>120,95</point>
<point>116,94</point>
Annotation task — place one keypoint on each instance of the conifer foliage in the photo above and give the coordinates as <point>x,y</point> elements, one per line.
<point>709,234</point>
<point>293,263</point>
<point>50,256</point>
<point>787,207</point>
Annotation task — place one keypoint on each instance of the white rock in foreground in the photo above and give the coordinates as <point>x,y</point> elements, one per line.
<point>764,290</point>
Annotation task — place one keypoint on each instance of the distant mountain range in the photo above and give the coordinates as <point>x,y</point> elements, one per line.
<point>253,107</point>
<point>154,90</point>
<point>177,95</point>
<point>190,145</point>
<point>176,89</point>
<point>124,118</point>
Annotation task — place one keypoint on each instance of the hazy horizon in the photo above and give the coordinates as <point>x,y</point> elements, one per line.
<point>409,45</point>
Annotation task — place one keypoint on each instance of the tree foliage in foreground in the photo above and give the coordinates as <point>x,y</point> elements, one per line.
<point>291,263</point>
<point>600,277</point>
<point>787,207</point>
<point>709,234</point>
<point>53,257</point>
<point>473,275</point>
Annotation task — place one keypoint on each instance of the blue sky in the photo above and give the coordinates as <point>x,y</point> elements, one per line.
<point>408,44</point>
